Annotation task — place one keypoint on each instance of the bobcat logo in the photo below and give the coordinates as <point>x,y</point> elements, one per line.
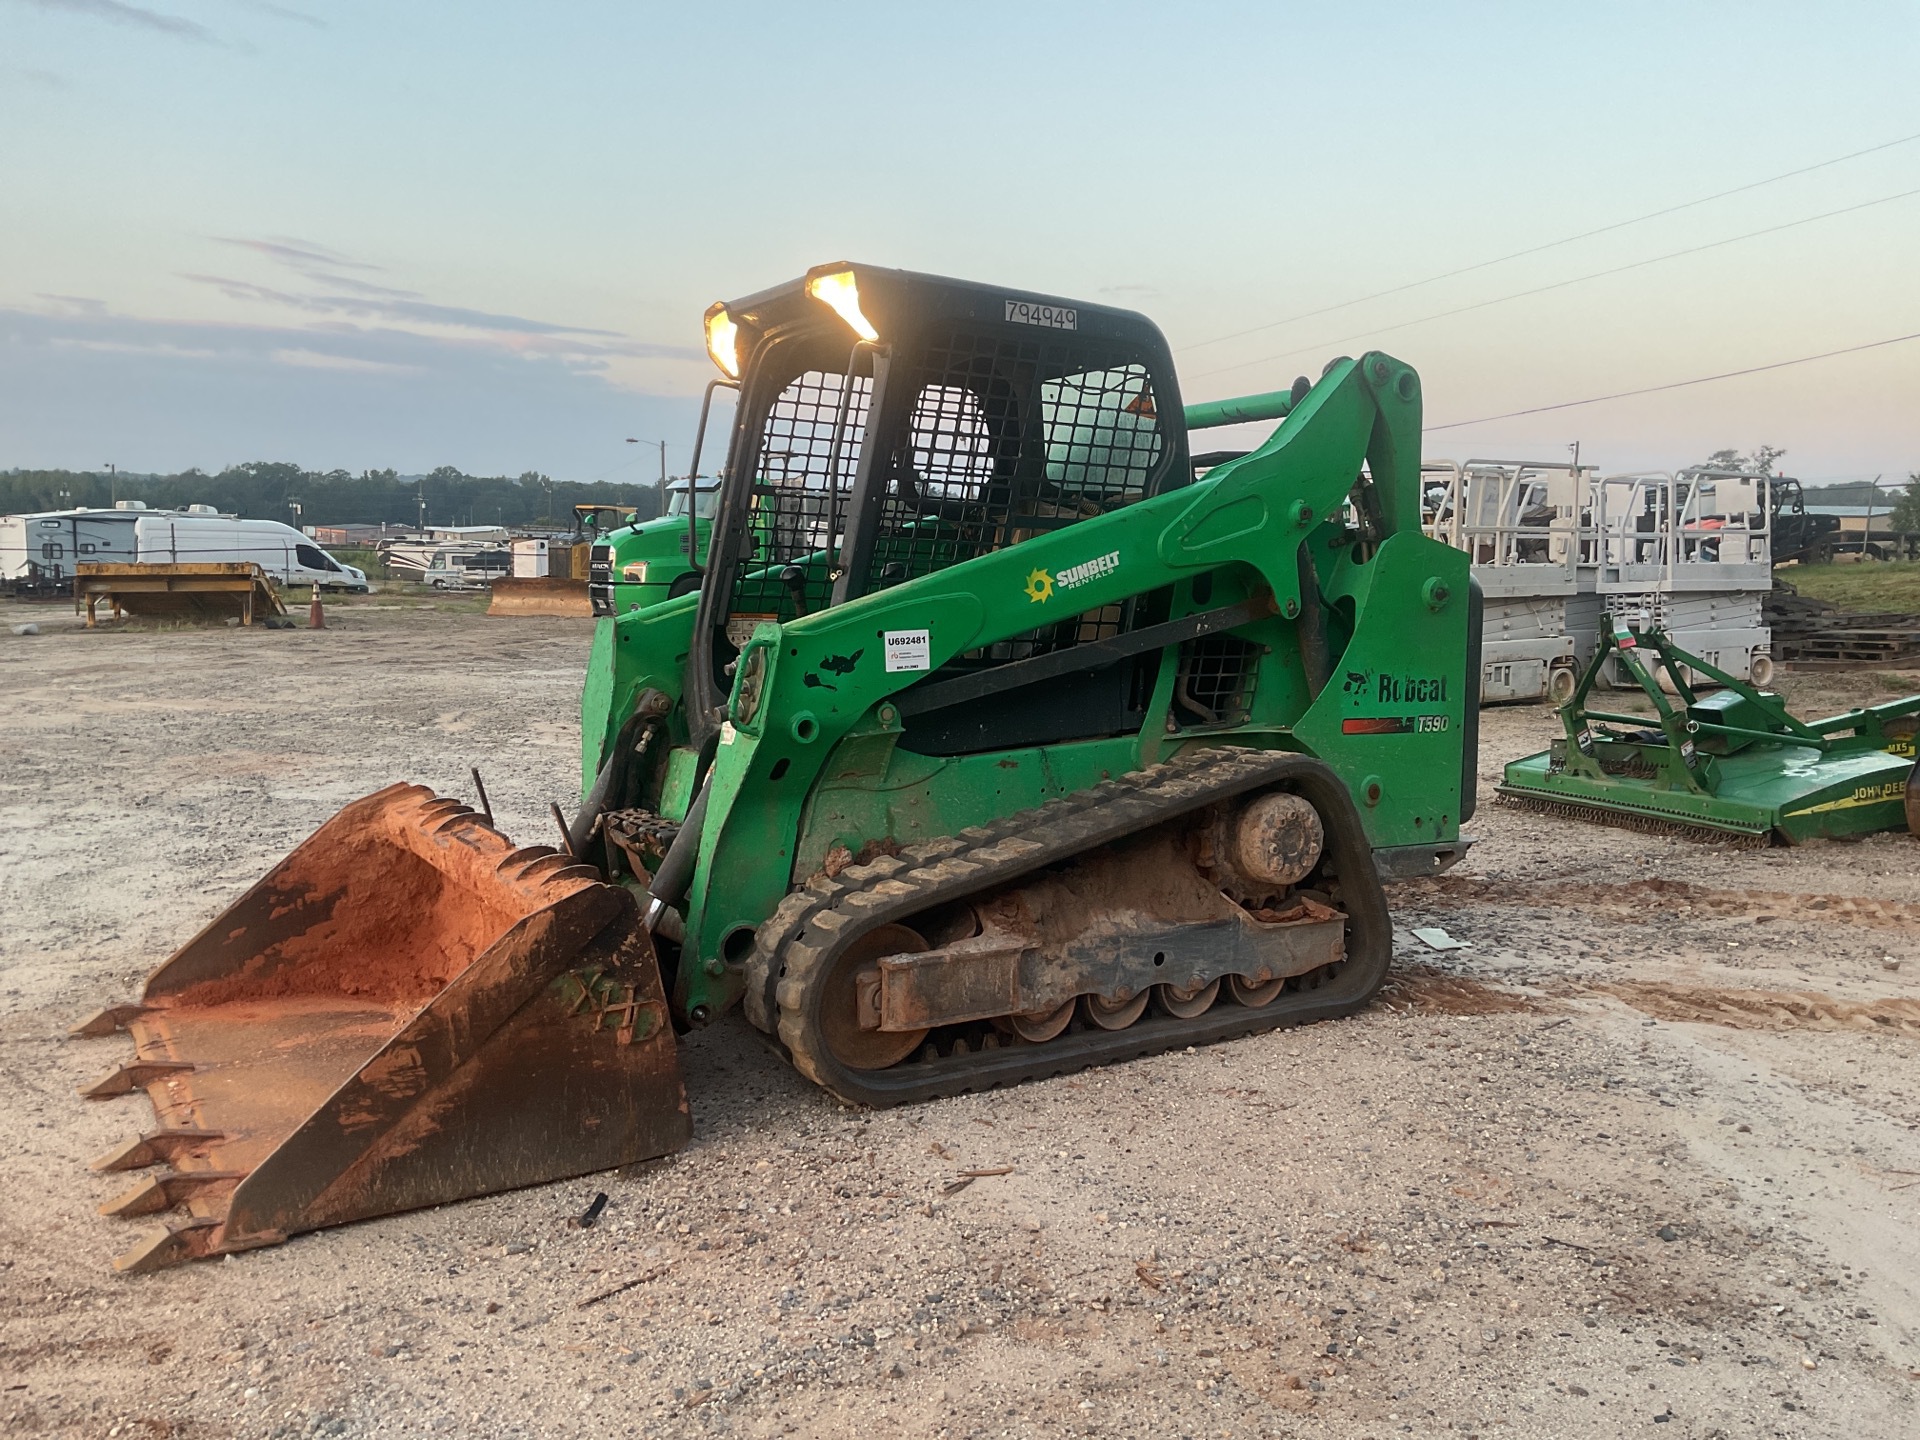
<point>1357,682</point>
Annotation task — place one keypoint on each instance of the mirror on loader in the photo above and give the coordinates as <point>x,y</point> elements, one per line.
<point>993,744</point>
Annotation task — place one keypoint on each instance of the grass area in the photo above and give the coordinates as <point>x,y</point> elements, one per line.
<point>1868,585</point>
<point>362,558</point>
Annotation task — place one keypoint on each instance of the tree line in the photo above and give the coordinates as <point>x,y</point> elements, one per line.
<point>269,490</point>
<point>1901,506</point>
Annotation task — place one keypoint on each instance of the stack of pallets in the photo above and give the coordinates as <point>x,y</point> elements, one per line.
<point>1810,634</point>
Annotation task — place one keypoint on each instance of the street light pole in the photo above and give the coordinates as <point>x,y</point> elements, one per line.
<point>663,467</point>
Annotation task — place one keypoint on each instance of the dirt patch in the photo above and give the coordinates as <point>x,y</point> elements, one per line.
<point>1768,1009</point>
<point>1422,990</point>
<point>1657,900</point>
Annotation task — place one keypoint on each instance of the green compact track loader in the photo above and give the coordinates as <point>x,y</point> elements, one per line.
<point>1003,736</point>
<point>1731,764</point>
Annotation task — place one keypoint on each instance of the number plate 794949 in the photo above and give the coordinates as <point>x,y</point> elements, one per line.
<point>1054,317</point>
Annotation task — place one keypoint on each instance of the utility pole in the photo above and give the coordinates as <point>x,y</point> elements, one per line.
<point>113,483</point>
<point>663,467</point>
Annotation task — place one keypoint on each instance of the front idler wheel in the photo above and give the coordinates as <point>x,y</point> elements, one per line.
<point>852,1044</point>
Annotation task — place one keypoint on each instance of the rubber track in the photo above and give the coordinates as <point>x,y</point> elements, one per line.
<point>813,924</point>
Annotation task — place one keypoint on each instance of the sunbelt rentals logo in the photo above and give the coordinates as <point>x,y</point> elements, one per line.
<point>1041,585</point>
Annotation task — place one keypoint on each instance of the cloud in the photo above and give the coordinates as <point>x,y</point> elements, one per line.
<point>320,360</point>
<point>118,13</point>
<point>339,298</point>
<point>299,254</point>
<point>281,12</point>
<point>180,392</point>
<point>45,79</point>
<point>367,287</point>
<point>325,360</point>
<point>385,306</point>
<point>79,304</point>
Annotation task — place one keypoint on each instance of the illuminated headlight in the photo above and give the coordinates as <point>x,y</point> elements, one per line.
<point>723,340</point>
<point>634,574</point>
<point>838,291</point>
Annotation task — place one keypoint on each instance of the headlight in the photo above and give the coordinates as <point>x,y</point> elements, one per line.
<point>634,574</point>
<point>838,290</point>
<point>723,340</point>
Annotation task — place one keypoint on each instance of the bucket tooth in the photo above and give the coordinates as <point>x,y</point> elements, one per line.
<point>156,1193</point>
<point>109,1021</point>
<point>439,816</point>
<point>135,1075</point>
<point>157,1147</point>
<point>161,1249</point>
<point>525,866</point>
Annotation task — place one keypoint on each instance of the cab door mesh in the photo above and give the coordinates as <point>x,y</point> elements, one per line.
<point>1001,438</point>
<point>1008,437</point>
<point>800,491</point>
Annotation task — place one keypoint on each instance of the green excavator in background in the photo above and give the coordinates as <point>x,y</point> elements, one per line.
<point>1003,736</point>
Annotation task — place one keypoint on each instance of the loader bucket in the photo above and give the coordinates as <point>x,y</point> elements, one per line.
<point>544,596</point>
<point>407,1010</point>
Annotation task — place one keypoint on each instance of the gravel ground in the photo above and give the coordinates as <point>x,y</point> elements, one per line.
<point>1647,1154</point>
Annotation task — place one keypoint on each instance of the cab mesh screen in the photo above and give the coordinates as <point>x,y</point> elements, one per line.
<point>800,492</point>
<point>1008,437</point>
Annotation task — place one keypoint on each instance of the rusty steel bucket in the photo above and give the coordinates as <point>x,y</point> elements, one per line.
<point>407,1010</point>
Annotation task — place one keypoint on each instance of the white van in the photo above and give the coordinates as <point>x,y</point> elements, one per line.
<point>202,534</point>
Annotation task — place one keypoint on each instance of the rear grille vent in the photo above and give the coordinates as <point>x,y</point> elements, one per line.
<point>1214,684</point>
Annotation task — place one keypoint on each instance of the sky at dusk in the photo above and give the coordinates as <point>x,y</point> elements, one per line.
<point>483,234</point>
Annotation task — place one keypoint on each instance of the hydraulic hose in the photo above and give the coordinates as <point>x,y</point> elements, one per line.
<point>676,868</point>
<point>1312,628</point>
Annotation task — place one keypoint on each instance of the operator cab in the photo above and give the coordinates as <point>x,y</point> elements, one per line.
<point>892,424</point>
<point>706,498</point>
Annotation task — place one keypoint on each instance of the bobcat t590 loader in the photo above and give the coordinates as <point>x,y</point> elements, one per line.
<point>1003,736</point>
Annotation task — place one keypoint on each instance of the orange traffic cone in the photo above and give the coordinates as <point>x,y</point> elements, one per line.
<point>316,617</point>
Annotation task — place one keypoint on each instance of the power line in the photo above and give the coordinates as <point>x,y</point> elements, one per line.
<point>1552,244</point>
<point>1679,384</point>
<point>596,479</point>
<point>1321,346</point>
